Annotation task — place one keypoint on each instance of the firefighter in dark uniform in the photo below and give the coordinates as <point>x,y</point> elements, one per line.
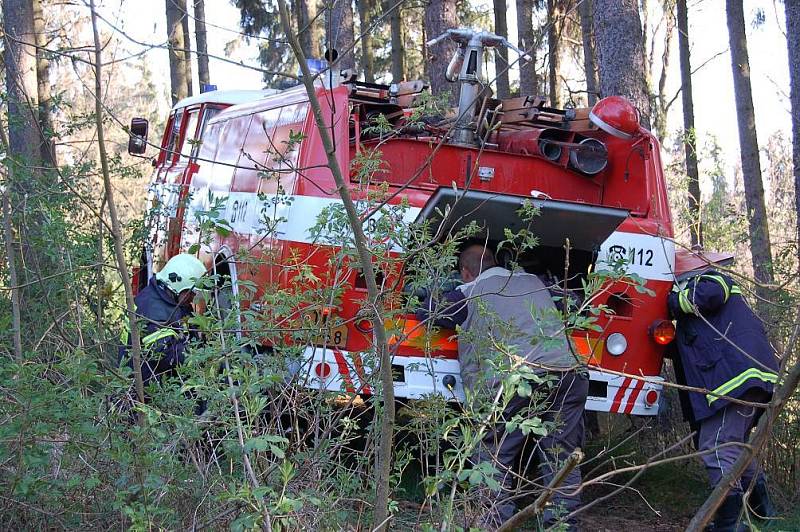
<point>162,308</point>
<point>722,347</point>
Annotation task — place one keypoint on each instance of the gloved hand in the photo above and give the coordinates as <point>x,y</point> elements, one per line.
<point>673,305</point>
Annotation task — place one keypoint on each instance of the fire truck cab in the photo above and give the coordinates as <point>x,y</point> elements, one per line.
<point>257,157</point>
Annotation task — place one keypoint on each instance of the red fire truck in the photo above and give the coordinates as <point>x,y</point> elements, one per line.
<point>594,175</point>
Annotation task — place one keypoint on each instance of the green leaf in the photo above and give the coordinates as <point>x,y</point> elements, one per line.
<point>475,477</point>
<point>267,441</point>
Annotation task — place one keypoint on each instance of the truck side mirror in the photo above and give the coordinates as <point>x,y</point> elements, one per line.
<point>137,142</point>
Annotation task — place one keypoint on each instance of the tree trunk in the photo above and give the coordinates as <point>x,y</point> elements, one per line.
<point>589,63</point>
<point>308,28</point>
<point>748,145</point>
<point>398,47</point>
<point>527,42</point>
<point>187,45</point>
<point>501,52</point>
<point>620,55</point>
<point>660,113</point>
<point>440,16</point>
<point>21,88</point>
<point>554,50</point>
<point>365,20</point>
<point>11,258</point>
<point>689,137</point>
<point>203,75</point>
<point>176,44</point>
<point>792,29</point>
<point>47,145</point>
<point>340,32</point>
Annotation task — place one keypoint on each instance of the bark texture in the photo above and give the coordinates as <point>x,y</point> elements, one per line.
<point>689,137</point>
<point>187,45</point>
<point>203,75</point>
<point>793,43</point>
<point>748,145</point>
<point>398,47</point>
<point>440,16</point>
<point>367,58</point>
<point>47,146</point>
<point>620,54</point>
<point>501,52</point>
<point>176,44</point>
<point>554,51</point>
<point>308,27</point>
<point>21,85</point>
<point>589,62</point>
<point>527,42</point>
<point>340,32</point>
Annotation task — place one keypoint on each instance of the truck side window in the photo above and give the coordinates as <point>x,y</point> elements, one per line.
<point>208,114</point>
<point>173,141</point>
<point>190,139</point>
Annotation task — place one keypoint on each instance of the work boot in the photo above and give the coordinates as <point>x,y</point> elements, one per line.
<point>760,502</point>
<point>727,517</point>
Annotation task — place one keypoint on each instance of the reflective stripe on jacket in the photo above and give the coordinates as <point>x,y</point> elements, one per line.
<point>722,345</point>
<point>163,338</point>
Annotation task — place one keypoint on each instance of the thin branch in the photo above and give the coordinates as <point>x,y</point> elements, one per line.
<point>116,229</point>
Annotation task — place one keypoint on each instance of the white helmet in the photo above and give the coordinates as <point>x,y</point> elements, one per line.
<point>181,272</point>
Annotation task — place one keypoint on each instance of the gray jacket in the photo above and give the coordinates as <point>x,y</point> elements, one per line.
<point>502,312</point>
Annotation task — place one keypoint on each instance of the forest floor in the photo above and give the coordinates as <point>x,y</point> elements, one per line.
<point>664,498</point>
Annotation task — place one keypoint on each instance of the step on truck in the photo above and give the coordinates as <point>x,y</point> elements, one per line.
<point>256,160</point>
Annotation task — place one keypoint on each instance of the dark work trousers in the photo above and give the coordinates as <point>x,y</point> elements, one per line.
<point>732,423</point>
<point>564,406</point>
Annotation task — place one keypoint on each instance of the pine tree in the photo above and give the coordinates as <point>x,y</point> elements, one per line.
<point>440,16</point>
<point>620,54</point>
<point>177,44</point>
<point>748,145</point>
<point>689,137</point>
<point>792,31</point>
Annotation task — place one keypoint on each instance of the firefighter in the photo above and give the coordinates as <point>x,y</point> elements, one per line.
<point>498,307</point>
<point>722,348</point>
<point>162,307</point>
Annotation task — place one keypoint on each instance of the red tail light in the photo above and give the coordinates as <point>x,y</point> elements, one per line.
<point>663,332</point>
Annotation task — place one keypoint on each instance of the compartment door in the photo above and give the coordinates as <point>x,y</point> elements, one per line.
<point>586,226</point>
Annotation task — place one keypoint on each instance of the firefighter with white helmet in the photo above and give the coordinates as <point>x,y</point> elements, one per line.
<point>161,308</point>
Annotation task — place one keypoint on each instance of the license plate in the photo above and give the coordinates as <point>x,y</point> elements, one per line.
<point>327,336</point>
<point>333,336</point>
